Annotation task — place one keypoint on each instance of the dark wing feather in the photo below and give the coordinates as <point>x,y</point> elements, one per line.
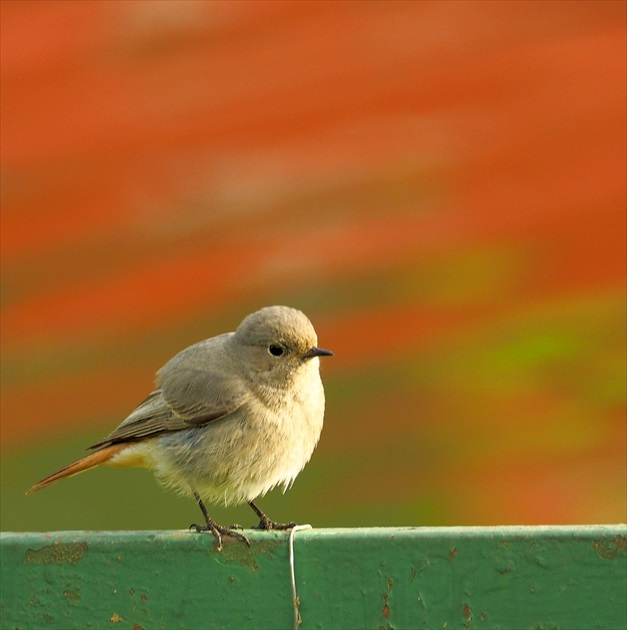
<point>150,417</point>
<point>190,395</point>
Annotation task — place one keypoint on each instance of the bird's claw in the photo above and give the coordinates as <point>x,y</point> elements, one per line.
<point>268,524</point>
<point>218,531</point>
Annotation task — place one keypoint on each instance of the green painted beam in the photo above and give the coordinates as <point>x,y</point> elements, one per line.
<point>470,577</point>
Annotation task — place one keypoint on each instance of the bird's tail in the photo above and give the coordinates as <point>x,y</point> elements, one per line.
<point>87,462</point>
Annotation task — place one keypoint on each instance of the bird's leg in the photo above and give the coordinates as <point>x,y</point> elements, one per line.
<point>267,523</point>
<point>217,530</point>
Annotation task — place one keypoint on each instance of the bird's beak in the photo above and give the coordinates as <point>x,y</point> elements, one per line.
<point>317,352</point>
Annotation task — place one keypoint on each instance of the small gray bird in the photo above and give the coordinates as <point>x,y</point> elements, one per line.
<point>231,418</point>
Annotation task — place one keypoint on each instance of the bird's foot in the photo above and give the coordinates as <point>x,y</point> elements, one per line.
<point>267,523</point>
<point>219,530</point>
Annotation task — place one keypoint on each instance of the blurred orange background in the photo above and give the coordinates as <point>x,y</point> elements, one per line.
<point>440,186</point>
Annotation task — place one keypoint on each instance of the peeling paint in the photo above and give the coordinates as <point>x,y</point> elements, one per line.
<point>608,550</point>
<point>468,616</point>
<point>57,553</point>
<point>72,596</point>
<point>235,552</point>
<point>385,611</point>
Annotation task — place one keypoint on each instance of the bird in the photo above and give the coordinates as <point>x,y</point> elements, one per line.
<point>231,417</point>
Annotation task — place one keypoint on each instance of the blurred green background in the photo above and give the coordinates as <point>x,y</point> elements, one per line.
<point>440,186</point>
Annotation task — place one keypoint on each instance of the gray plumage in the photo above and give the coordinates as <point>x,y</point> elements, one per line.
<point>231,417</point>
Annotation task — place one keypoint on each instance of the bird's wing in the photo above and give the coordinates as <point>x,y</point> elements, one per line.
<point>194,389</point>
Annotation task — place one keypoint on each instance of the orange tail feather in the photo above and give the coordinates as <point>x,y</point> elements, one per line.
<point>94,459</point>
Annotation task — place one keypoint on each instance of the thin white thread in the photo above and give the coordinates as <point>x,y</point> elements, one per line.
<point>295,599</point>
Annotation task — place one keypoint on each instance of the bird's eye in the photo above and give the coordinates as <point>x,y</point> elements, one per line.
<point>275,349</point>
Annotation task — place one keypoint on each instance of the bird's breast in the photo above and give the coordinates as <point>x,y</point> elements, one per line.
<point>266,442</point>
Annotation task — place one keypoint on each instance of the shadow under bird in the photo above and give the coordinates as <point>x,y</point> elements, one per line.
<point>231,418</point>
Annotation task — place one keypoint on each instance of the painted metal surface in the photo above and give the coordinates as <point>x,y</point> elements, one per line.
<point>493,577</point>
